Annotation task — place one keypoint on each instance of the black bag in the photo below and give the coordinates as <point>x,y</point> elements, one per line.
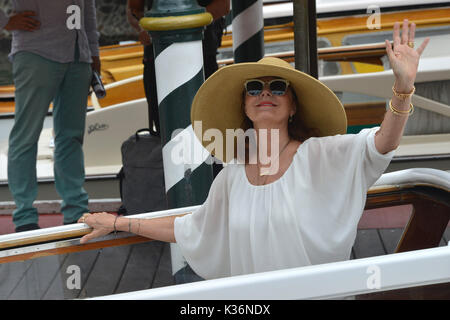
<point>142,174</point>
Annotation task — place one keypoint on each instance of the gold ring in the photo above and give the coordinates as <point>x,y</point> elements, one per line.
<point>83,218</point>
<point>411,44</point>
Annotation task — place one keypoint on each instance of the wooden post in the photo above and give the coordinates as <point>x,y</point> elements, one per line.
<point>305,37</point>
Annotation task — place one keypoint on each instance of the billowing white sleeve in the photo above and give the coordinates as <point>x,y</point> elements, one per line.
<point>347,161</point>
<point>374,163</point>
<point>203,236</point>
<point>341,169</point>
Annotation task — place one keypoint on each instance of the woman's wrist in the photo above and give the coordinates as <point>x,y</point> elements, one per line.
<point>401,99</point>
<point>403,87</point>
<point>127,225</point>
<point>121,224</point>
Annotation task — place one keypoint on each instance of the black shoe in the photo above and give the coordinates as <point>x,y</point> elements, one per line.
<point>71,222</point>
<point>27,227</point>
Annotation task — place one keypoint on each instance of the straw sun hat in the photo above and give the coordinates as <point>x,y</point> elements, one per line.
<point>218,102</point>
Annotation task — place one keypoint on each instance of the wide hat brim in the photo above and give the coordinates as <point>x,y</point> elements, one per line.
<point>218,102</point>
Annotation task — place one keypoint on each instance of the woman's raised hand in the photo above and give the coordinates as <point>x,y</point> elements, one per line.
<point>404,59</point>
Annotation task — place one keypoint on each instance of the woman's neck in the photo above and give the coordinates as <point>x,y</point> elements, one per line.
<point>270,143</point>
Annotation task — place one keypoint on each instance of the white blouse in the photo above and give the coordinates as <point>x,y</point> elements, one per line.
<point>308,216</point>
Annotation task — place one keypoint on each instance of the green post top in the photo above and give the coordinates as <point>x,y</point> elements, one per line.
<point>167,15</point>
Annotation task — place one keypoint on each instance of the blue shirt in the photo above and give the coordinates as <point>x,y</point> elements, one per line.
<point>54,40</point>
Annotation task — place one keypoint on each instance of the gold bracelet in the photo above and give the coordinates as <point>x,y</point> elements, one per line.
<point>115,230</point>
<point>401,112</point>
<point>403,96</point>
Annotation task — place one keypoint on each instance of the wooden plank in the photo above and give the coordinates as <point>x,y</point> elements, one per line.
<point>7,106</point>
<point>365,113</point>
<point>429,292</point>
<point>368,244</point>
<point>107,271</point>
<point>75,248</point>
<point>37,279</point>
<point>163,276</point>
<point>357,24</point>
<point>426,226</point>
<point>44,237</point>
<point>10,276</point>
<point>390,238</point>
<point>59,289</point>
<point>141,267</point>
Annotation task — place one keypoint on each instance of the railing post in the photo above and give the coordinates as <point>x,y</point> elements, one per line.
<point>176,28</point>
<point>248,30</point>
<point>305,37</point>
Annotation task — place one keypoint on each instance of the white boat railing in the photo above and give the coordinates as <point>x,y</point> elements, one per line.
<point>422,176</point>
<point>326,281</point>
<point>379,84</point>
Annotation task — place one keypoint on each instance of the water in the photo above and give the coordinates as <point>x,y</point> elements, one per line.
<point>5,65</point>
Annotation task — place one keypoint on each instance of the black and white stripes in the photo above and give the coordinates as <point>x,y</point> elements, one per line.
<point>177,44</point>
<point>248,30</point>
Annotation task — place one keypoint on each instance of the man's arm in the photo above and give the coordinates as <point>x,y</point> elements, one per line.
<point>218,8</point>
<point>90,23</point>
<point>135,11</point>
<point>19,21</point>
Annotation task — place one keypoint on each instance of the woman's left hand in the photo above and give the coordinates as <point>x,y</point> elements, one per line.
<point>102,224</point>
<point>404,59</point>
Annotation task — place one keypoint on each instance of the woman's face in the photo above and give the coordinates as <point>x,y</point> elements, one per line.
<point>268,109</point>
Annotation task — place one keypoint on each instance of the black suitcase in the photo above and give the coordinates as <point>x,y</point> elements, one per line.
<point>142,174</point>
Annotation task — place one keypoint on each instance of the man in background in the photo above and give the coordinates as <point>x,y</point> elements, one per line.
<point>54,49</point>
<point>211,42</point>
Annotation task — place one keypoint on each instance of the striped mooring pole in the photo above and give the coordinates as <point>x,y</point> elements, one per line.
<point>176,28</point>
<point>248,30</point>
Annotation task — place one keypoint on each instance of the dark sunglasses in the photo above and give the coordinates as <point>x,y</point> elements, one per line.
<point>277,87</point>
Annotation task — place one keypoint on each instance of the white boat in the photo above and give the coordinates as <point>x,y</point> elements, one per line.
<point>56,253</point>
<point>107,128</point>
